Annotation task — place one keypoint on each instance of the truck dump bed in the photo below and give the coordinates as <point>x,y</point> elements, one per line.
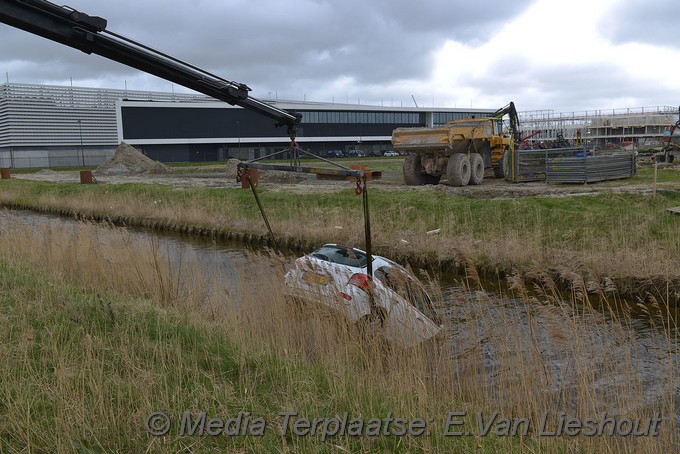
<point>454,137</point>
<point>415,139</point>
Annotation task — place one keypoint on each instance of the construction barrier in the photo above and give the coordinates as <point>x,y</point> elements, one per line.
<point>590,169</point>
<point>567,165</point>
<point>530,165</point>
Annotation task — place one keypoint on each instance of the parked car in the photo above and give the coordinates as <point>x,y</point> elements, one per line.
<point>336,276</point>
<point>355,153</point>
<point>335,154</point>
<point>391,153</point>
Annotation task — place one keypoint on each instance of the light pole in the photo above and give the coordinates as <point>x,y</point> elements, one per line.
<point>82,150</point>
<point>238,132</point>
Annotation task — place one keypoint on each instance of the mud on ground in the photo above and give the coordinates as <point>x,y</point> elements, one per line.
<point>224,176</point>
<point>490,189</point>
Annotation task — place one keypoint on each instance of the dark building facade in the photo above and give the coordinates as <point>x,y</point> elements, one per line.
<point>174,132</point>
<point>57,126</point>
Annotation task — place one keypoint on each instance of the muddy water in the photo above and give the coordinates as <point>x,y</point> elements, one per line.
<point>498,336</point>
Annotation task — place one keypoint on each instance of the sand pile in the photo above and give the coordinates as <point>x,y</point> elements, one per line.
<point>265,176</point>
<point>128,161</point>
<point>231,168</point>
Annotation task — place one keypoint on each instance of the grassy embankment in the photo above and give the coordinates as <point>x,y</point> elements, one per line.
<point>100,330</point>
<point>626,239</point>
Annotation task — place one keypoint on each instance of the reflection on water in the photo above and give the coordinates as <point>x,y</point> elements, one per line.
<point>574,353</point>
<point>569,349</point>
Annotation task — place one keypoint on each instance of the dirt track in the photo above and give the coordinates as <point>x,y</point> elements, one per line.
<point>215,177</point>
<point>128,165</point>
<point>172,179</point>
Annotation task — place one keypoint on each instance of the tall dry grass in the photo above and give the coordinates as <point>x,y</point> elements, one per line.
<point>524,354</point>
<point>607,235</point>
<point>580,356</point>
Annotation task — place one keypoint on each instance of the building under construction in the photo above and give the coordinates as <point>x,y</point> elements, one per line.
<point>57,126</point>
<point>642,128</point>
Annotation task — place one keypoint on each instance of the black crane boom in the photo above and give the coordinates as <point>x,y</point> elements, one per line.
<point>88,33</point>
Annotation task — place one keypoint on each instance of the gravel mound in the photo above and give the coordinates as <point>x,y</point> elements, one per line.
<point>128,161</point>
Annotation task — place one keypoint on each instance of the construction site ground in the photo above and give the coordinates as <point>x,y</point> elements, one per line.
<point>217,176</point>
<point>621,256</point>
<point>128,165</point>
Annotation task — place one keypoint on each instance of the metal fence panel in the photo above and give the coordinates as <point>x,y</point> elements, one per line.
<point>590,169</point>
<point>570,165</point>
<point>530,165</point>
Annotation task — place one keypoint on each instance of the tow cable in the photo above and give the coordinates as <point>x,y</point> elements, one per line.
<point>361,188</point>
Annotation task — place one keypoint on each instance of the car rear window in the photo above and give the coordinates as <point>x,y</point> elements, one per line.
<point>341,255</point>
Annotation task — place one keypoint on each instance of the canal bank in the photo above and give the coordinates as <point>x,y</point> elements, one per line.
<point>555,355</point>
<point>645,273</point>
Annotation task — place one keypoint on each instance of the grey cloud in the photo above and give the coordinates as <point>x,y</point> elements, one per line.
<point>567,87</point>
<point>302,47</point>
<point>643,22</point>
<point>273,45</point>
<point>583,87</point>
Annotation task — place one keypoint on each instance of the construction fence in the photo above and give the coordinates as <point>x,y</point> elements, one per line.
<point>569,165</point>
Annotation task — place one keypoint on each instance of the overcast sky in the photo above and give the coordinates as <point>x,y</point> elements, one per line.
<point>542,54</point>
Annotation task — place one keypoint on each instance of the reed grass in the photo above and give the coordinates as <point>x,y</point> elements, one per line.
<point>622,238</point>
<point>101,328</point>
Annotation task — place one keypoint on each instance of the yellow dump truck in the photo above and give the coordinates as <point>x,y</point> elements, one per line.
<point>459,152</point>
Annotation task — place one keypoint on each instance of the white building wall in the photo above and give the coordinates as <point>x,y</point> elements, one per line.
<point>52,126</point>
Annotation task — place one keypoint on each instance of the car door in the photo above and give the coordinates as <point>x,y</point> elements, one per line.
<point>404,299</point>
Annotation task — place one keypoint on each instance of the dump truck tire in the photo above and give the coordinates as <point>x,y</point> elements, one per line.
<point>476,168</point>
<point>412,169</point>
<point>458,170</point>
<point>498,171</point>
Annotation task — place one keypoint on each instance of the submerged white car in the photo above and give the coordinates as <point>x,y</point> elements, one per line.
<point>337,276</point>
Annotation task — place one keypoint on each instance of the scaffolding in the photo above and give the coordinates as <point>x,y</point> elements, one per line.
<point>631,128</point>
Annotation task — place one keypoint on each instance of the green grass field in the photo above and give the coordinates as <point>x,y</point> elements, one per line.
<point>607,233</point>
<point>99,333</point>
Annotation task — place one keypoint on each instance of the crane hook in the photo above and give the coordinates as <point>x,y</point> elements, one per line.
<point>360,187</point>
